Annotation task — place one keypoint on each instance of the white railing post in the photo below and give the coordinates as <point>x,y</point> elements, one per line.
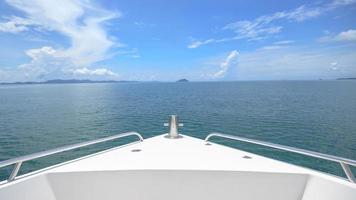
<point>348,172</point>
<point>14,171</point>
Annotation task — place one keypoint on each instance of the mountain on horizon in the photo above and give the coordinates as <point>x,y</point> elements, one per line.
<point>53,81</point>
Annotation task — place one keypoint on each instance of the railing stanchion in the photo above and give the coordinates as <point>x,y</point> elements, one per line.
<point>348,172</point>
<point>15,171</point>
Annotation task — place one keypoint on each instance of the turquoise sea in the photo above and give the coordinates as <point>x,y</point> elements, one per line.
<point>314,115</point>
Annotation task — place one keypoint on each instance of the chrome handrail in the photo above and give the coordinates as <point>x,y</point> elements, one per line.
<point>344,162</point>
<point>19,160</point>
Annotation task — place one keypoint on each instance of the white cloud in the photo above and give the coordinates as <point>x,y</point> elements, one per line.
<point>267,25</point>
<point>252,30</point>
<point>283,42</point>
<point>44,62</point>
<point>297,63</point>
<point>278,45</point>
<point>342,2</point>
<point>272,47</point>
<point>345,36</point>
<point>333,66</point>
<point>47,63</point>
<point>38,54</point>
<point>136,56</point>
<point>131,53</point>
<point>80,21</point>
<point>14,24</point>
<point>326,38</point>
<point>96,72</point>
<point>302,62</point>
<point>349,35</point>
<point>196,44</point>
<point>229,62</point>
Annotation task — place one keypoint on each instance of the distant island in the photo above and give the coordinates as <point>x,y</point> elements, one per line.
<point>346,79</point>
<point>182,80</point>
<point>63,81</point>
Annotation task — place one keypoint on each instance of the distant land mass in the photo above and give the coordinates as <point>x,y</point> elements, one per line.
<point>346,78</point>
<point>183,80</point>
<point>63,81</point>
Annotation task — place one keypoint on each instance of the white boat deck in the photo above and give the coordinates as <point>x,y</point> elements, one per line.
<point>186,153</point>
<point>183,168</point>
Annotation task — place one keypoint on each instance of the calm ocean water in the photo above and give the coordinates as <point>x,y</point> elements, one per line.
<point>314,115</point>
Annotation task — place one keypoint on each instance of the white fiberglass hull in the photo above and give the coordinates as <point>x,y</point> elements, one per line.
<point>183,168</point>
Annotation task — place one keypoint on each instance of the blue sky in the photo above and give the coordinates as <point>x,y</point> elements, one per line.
<point>168,40</point>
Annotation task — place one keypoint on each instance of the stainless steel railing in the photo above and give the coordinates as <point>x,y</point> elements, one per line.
<point>344,162</point>
<point>19,160</point>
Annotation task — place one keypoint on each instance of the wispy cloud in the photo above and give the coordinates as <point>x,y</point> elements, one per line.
<point>143,25</point>
<point>15,24</point>
<point>345,36</point>
<point>336,3</point>
<point>284,42</point>
<point>272,47</point>
<point>196,44</point>
<point>229,62</point>
<point>267,25</point>
<point>278,45</point>
<point>80,21</point>
<point>132,53</point>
